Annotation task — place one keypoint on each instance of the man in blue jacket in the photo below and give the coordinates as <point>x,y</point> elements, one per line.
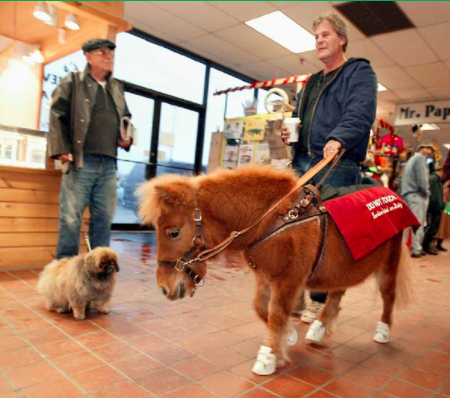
<point>337,108</point>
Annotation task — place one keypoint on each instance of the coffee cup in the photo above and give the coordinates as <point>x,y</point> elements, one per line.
<point>292,123</point>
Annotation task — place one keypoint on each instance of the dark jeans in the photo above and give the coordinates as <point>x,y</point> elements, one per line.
<point>347,172</point>
<point>434,220</point>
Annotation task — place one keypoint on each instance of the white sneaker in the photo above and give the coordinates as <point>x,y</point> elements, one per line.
<point>312,312</point>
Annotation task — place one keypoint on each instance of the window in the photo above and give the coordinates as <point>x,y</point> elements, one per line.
<point>215,113</point>
<point>145,64</point>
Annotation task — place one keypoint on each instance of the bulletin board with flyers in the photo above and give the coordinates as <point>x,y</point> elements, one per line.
<point>252,139</point>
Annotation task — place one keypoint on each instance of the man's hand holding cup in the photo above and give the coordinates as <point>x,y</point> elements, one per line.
<point>290,129</point>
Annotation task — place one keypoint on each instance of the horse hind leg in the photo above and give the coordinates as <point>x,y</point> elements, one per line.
<point>325,324</point>
<point>386,280</point>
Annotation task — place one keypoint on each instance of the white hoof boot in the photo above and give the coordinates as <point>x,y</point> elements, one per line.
<point>315,332</point>
<point>292,338</point>
<point>265,363</point>
<point>383,333</point>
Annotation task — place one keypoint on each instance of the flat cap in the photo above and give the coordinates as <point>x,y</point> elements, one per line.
<point>426,145</point>
<point>95,44</point>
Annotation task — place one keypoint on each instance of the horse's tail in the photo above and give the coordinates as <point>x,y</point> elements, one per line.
<point>404,288</point>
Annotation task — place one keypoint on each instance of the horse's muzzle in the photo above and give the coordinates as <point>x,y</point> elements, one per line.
<point>178,293</point>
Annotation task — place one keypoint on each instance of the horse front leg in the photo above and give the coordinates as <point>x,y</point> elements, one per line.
<point>261,300</point>
<point>274,352</point>
<point>327,318</point>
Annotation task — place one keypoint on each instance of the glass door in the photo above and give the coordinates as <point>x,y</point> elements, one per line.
<point>174,150</point>
<point>132,169</point>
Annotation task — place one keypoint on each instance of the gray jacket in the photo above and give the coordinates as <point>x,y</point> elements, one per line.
<point>70,113</point>
<point>415,177</point>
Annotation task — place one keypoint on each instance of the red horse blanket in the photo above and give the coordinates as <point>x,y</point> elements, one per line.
<point>369,218</point>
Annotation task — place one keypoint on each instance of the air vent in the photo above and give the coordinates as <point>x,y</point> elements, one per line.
<point>375,17</point>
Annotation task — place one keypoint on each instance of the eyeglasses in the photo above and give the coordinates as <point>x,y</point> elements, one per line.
<point>104,52</point>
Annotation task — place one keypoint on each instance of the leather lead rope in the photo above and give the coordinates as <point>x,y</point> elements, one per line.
<point>208,253</point>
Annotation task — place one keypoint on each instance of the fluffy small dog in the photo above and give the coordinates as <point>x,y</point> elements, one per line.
<point>79,283</point>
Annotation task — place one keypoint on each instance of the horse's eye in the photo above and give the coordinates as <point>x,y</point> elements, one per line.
<point>173,233</point>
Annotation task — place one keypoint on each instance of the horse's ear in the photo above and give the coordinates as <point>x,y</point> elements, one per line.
<point>154,194</point>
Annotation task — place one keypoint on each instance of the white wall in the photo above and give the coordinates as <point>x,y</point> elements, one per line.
<point>20,88</point>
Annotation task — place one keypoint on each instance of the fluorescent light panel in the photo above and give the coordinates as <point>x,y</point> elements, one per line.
<point>381,87</point>
<point>430,126</point>
<point>284,31</point>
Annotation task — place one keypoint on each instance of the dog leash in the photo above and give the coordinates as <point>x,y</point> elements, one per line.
<point>86,236</point>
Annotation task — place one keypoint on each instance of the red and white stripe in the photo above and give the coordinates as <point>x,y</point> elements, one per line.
<point>267,83</point>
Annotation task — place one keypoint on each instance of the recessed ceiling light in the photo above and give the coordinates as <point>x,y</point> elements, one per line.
<point>284,31</point>
<point>447,146</point>
<point>381,87</point>
<point>41,11</point>
<point>430,126</point>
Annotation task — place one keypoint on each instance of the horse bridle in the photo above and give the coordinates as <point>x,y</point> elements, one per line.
<point>183,263</point>
<point>198,251</point>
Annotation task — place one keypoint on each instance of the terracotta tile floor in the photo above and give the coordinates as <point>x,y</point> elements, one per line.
<point>203,347</point>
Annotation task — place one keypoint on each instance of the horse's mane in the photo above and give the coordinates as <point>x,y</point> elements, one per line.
<point>170,191</point>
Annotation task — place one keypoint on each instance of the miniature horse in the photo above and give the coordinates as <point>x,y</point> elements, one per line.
<point>230,200</point>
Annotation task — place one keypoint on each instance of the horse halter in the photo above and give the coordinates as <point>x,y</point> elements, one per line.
<point>198,251</point>
<point>183,263</point>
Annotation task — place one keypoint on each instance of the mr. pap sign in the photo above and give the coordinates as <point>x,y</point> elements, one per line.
<point>422,112</point>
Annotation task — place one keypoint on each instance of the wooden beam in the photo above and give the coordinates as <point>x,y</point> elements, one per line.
<point>87,10</point>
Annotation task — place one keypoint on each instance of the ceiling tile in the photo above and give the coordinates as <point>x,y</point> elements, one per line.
<point>206,54</point>
<point>253,42</point>
<point>430,75</point>
<point>199,13</point>
<point>216,45</point>
<point>266,70</point>
<point>293,64</point>
<point>152,31</point>
<point>440,93</point>
<point>388,96</point>
<point>369,50</point>
<point>304,13</point>
<point>150,17</point>
<point>406,47</point>
<point>281,5</point>
<point>424,13</point>
<point>413,94</point>
<point>433,36</point>
<point>244,10</point>
<point>393,77</point>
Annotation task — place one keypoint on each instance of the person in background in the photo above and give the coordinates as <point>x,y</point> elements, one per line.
<point>337,108</point>
<point>444,228</point>
<point>87,125</point>
<point>416,192</point>
<point>435,207</point>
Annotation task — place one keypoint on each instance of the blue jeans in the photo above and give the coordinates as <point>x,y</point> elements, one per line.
<point>94,185</point>
<point>344,174</point>
<point>347,172</point>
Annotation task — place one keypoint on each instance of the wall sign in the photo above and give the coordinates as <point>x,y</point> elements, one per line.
<point>422,112</point>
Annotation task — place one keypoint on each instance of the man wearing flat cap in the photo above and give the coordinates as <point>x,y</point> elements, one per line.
<point>89,120</point>
<point>416,191</point>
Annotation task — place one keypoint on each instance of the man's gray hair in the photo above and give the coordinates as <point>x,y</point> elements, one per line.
<point>337,23</point>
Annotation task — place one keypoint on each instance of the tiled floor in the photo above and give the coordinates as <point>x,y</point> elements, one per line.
<point>203,347</point>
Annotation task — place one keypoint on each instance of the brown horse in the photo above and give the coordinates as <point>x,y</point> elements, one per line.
<point>231,200</point>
